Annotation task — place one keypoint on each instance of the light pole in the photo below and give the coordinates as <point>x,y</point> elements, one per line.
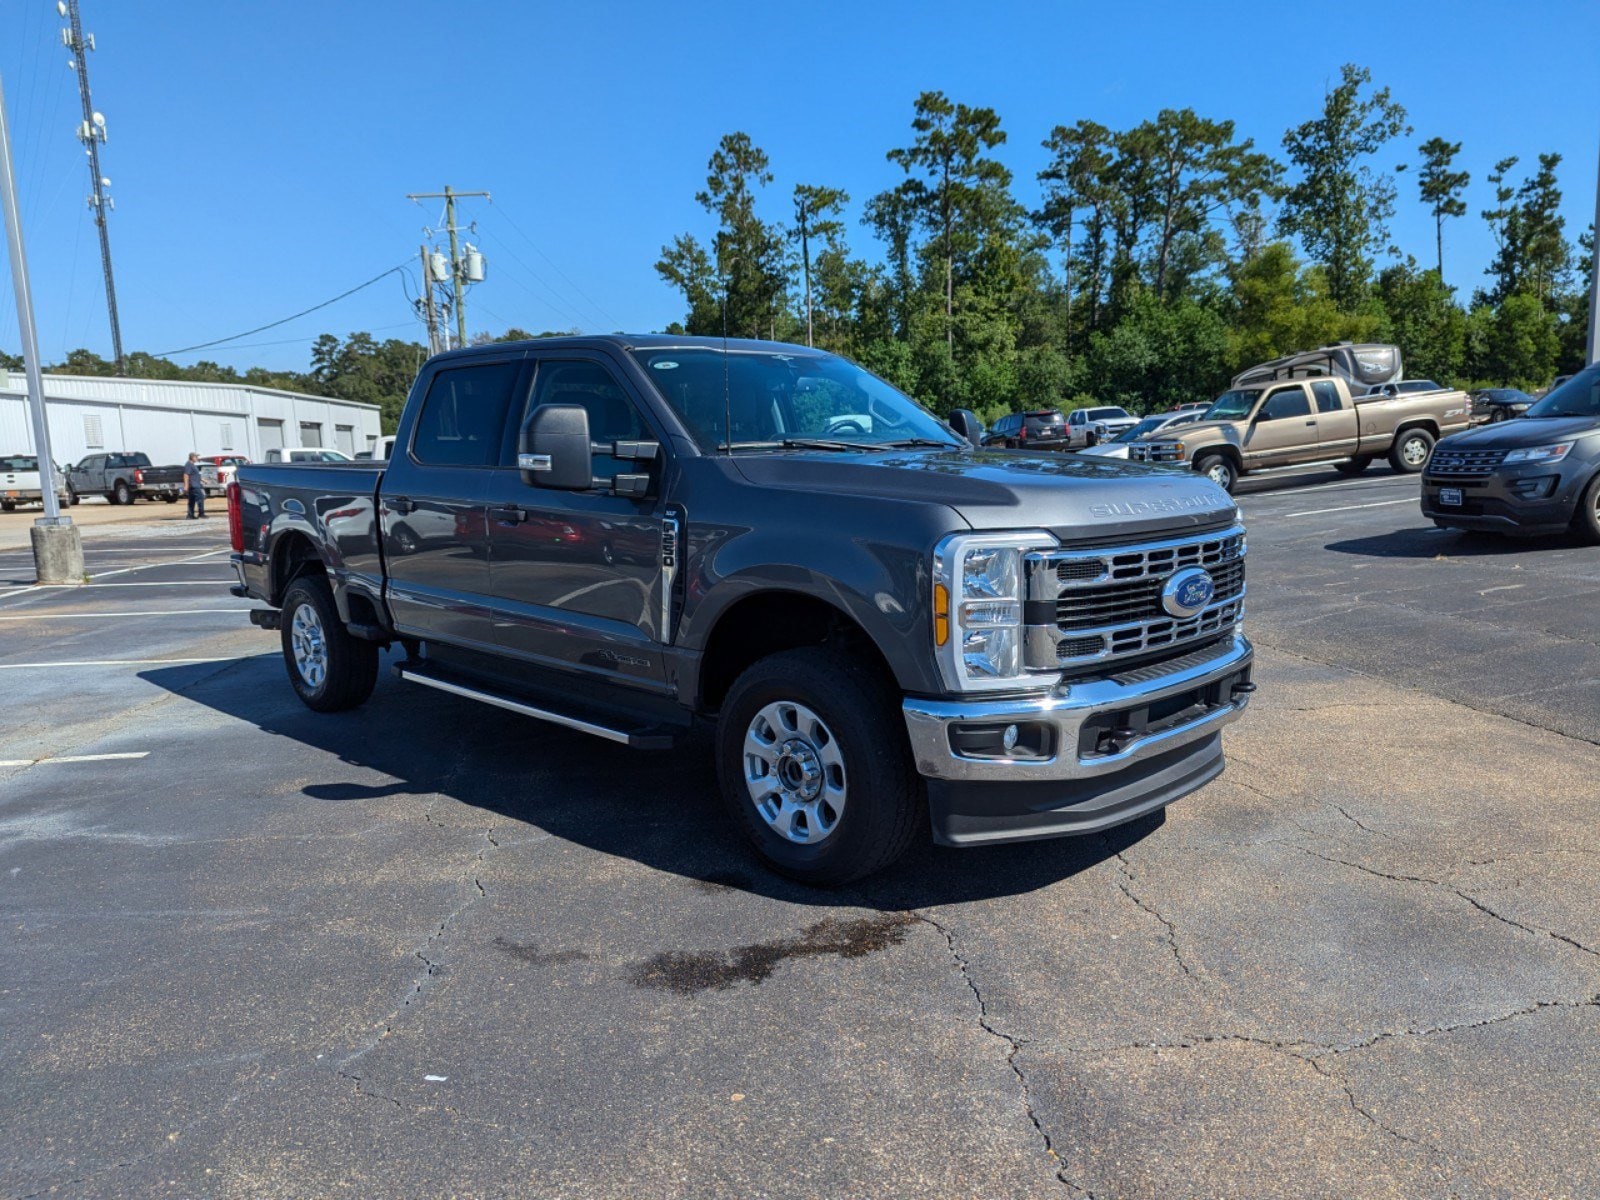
<point>57,544</point>
<point>1594,278</point>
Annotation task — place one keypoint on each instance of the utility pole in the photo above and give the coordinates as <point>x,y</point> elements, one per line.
<point>1594,278</point>
<point>463,270</point>
<point>92,133</point>
<point>57,544</point>
<point>429,311</point>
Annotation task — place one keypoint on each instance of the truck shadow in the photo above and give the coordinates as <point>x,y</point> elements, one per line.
<point>660,810</point>
<point>1436,543</point>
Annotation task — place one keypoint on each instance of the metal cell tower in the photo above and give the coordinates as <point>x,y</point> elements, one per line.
<point>92,133</point>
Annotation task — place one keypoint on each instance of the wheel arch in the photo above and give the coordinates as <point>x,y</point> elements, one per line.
<point>769,621</point>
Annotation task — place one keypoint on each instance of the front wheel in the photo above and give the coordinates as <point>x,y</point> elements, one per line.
<point>814,766</point>
<point>8,506</point>
<point>170,499</point>
<point>1219,469</point>
<point>1354,466</point>
<point>1410,451</point>
<point>330,670</point>
<point>1587,519</point>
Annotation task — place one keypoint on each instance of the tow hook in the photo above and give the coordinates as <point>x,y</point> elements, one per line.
<point>1243,689</point>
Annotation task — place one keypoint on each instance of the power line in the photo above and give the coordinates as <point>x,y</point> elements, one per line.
<point>555,304</point>
<point>294,317</point>
<point>606,316</point>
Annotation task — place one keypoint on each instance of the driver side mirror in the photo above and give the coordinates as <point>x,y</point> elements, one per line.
<point>965,422</point>
<point>1266,414</point>
<point>554,448</point>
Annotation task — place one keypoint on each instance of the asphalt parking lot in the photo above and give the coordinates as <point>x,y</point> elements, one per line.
<point>430,948</point>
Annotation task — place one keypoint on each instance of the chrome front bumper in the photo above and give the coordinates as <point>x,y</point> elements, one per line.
<point>1066,710</point>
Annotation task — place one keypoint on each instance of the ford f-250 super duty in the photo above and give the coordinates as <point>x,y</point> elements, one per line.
<point>888,624</point>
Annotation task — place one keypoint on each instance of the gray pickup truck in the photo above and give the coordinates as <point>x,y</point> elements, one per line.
<point>888,625</point>
<point>123,478</point>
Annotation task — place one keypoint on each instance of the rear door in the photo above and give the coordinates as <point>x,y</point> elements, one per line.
<point>577,577</point>
<point>435,490</point>
<point>1284,430</point>
<point>1337,431</point>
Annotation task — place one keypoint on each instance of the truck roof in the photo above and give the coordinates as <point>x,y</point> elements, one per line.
<point>637,341</point>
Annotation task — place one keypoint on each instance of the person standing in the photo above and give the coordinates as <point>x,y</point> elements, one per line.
<point>194,487</point>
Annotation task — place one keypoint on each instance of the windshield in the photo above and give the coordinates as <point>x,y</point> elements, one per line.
<point>1577,397</point>
<point>19,462</point>
<point>1107,414</point>
<point>773,398</point>
<point>1233,406</point>
<point>1148,425</point>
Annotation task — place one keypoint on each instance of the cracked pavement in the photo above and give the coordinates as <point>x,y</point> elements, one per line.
<point>433,949</point>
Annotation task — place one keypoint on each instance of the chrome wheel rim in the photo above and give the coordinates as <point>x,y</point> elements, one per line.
<point>1218,474</point>
<point>1415,452</point>
<point>309,646</point>
<point>794,772</point>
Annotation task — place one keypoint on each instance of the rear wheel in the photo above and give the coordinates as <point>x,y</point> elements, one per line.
<point>72,494</point>
<point>1219,469</point>
<point>121,493</point>
<point>814,766</point>
<point>330,670</point>
<point>1354,466</point>
<point>1410,451</point>
<point>1587,519</point>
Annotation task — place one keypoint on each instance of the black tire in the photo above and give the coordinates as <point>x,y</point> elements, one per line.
<point>1587,519</point>
<point>1354,466</point>
<point>121,493</point>
<point>170,499</point>
<point>8,506</point>
<point>349,665</point>
<point>1410,451</point>
<point>72,495</point>
<point>883,801</point>
<point>1220,468</point>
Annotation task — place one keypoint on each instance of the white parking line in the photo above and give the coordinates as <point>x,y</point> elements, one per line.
<point>109,662</point>
<point>85,616</point>
<point>1341,486</point>
<point>175,562</point>
<point>1316,512</point>
<point>71,758</point>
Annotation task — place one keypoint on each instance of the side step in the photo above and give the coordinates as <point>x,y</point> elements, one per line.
<point>651,737</point>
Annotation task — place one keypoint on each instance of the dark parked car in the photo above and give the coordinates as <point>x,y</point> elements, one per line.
<point>1499,404</point>
<point>124,478</point>
<point>890,627</point>
<point>1540,474</point>
<point>1043,429</point>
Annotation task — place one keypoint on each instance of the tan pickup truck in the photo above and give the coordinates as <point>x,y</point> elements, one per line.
<point>1264,424</point>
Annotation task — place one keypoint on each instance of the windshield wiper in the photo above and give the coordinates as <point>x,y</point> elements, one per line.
<point>796,444</point>
<point>914,443</point>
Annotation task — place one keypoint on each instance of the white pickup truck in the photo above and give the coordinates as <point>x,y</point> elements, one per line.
<point>19,482</point>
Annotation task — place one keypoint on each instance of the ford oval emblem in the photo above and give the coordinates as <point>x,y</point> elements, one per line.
<point>1187,592</point>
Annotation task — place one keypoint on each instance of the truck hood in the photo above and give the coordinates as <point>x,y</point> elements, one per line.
<point>1525,431</point>
<point>1196,431</point>
<point>1076,498</point>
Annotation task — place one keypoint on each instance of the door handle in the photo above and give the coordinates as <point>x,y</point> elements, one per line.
<point>401,505</point>
<point>1310,423</point>
<point>508,516</point>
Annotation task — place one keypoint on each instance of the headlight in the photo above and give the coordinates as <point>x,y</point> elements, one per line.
<point>978,590</point>
<point>1539,454</point>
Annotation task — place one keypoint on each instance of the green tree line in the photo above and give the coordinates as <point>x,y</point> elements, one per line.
<point>1160,260</point>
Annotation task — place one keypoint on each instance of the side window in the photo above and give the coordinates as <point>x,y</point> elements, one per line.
<point>1327,395</point>
<point>1289,402</point>
<point>464,414</point>
<point>612,416</point>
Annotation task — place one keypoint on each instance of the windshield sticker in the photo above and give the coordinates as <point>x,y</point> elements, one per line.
<point>666,365</point>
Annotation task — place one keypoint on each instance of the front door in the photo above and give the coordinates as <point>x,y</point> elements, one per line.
<point>576,576</point>
<point>432,507</point>
<point>1284,430</point>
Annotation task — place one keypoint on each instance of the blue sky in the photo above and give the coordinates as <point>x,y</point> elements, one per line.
<point>260,153</point>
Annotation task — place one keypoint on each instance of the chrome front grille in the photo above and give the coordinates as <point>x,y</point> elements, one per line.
<point>1155,452</point>
<point>1470,463</point>
<point>1093,605</point>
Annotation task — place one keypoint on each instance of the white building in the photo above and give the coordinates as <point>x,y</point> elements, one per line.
<point>168,418</point>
